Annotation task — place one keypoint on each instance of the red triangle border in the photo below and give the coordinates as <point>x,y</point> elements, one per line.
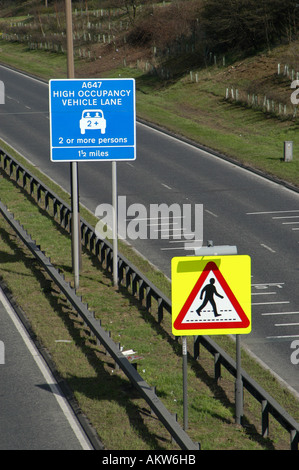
<point>245,322</point>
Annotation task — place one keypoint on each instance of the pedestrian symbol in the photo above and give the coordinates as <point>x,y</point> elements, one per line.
<point>209,291</point>
<point>210,302</point>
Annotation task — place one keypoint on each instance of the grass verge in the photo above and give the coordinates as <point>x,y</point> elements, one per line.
<point>103,393</point>
<point>122,419</point>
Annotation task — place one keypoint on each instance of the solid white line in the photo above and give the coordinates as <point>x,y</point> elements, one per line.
<point>286,324</point>
<point>166,186</point>
<point>279,313</point>
<point>264,293</point>
<point>289,223</point>
<point>271,212</point>
<point>268,248</point>
<point>211,213</point>
<point>287,217</point>
<point>24,75</point>
<point>280,337</point>
<point>174,248</point>
<point>271,303</point>
<point>45,372</point>
<point>278,284</point>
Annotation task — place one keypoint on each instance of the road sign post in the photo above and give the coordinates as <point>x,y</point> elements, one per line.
<point>76,238</point>
<point>114,224</point>
<point>94,120</point>
<point>238,384</point>
<point>185,382</point>
<point>212,295</point>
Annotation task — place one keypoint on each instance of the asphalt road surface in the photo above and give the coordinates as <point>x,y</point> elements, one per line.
<point>34,415</point>
<point>240,208</point>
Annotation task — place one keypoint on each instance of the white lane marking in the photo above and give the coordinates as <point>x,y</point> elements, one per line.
<point>24,75</point>
<point>286,324</point>
<point>264,293</point>
<point>287,217</point>
<point>211,213</point>
<point>268,248</point>
<point>45,372</point>
<point>271,212</point>
<point>166,186</point>
<point>271,303</point>
<point>279,313</point>
<point>282,336</point>
<point>262,284</point>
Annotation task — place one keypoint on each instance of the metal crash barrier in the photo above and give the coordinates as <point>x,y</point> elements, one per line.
<point>138,285</point>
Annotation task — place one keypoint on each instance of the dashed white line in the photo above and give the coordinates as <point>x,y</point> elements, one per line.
<point>166,186</point>
<point>271,212</point>
<point>271,303</point>
<point>262,284</point>
<point>282,336</point>
<point>268,248</point>
<point>264,293</point>
<point>211,213</point>
<point>279,313</point>
<point>287,217</point>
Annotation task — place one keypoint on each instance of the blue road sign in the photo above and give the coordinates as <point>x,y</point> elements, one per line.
<point>92,120</point>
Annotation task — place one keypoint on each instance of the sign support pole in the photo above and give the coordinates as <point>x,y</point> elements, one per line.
<point>75,225</point>
<point>185,385</point>
<point>238,384</point>
<point>114,225</point>
<point>74,165</point>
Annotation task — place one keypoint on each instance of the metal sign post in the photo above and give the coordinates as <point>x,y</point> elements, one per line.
<point>114,227</point>
<point>75,225</point>
<point>185,383</point>
<point>238,384</point>
<point>74,165</point>
<point>211,294</point>
<point>91,120</point>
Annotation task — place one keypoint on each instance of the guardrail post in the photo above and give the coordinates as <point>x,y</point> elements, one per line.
<point>217,366</point>
<point>294,437</point>
<point>265,418</point>
<point>175,415</point>
<point>160,310</point>
<point>148,298</point>
<point>153,389</point>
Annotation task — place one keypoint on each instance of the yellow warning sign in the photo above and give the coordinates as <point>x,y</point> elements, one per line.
<point>211,295</point>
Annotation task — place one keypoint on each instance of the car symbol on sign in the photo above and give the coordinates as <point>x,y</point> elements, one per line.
<point>92,119</point>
